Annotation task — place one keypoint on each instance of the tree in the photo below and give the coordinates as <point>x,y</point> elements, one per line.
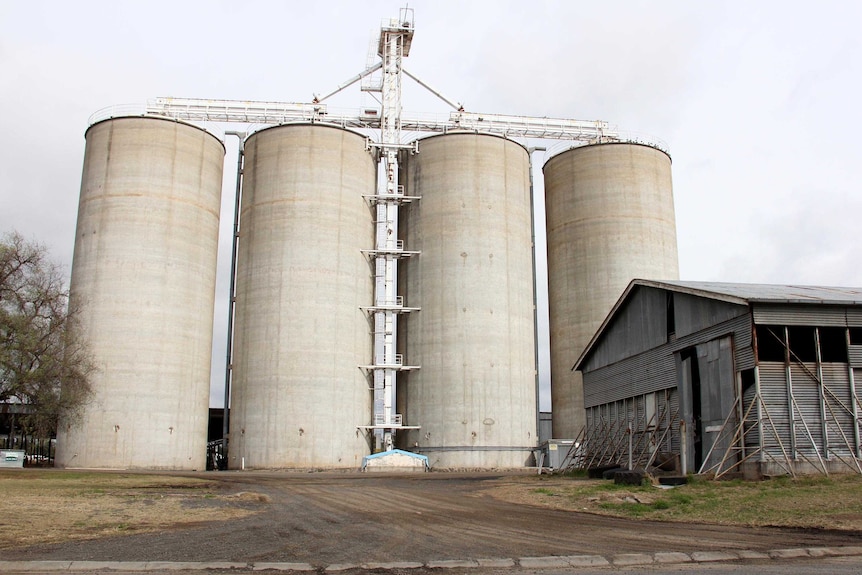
<point>44,365</point>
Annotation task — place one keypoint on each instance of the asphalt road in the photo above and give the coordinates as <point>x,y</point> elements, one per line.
<point>329,519</point>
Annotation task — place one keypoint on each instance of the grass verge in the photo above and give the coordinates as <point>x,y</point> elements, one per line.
<point>812,502</point>
<point>49,506</point>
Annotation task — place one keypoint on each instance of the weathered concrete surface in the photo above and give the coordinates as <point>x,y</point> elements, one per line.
<point>300,333</point>
<point>283,567</point>
<point>710,556</point>
<point>144,274</point>
<point>475,394</point>
<point>533,565</point>
<point>610,219</point>
<point>627,559</point>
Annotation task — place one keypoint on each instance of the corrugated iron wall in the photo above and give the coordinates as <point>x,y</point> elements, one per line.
<point>807,415</point>
<point>656,369</point>
<point>789,314</point>
<point>654,421</point>
<point>776,411</point>
<point>838,399</point>
<point>800,419</point>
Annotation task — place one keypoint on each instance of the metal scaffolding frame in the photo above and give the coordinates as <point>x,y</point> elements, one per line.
<point>394,45</point>
<point>758,420</point>
<point>623,441</point>
<point>277,113</point>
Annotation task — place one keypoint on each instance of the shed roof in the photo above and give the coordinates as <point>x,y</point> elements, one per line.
<point>762,293</point>
<point>738,293</point>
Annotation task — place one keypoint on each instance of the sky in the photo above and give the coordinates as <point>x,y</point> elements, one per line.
<point>757,101</point>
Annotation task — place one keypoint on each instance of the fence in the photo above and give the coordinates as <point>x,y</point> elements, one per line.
<point>217,455</point>
<point>38,452</point>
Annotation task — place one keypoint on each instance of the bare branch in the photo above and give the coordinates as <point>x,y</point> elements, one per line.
<point>43,362</point>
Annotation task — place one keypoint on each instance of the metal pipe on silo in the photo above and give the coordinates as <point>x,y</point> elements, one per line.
<point>474,396</point>
<point>610,219</point>
<point>144,274</point>
<point>240,155</point>
<point>531,151</point>
<point>300,333</point>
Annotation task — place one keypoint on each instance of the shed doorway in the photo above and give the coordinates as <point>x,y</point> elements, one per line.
<point>708,393</point>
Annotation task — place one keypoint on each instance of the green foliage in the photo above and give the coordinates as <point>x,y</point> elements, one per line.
<point>679,498</point>
<point>608,485</point>
<point>808,501</point>
<point>578,473</point>
<point>630,509</point>
<point>641,508</point>
<point>44,365</point>
<point>544,491</point>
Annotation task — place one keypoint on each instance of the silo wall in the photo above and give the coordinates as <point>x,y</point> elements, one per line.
<point>610,219</point>
<point>300,335</point>
<point>474,396</point>
<point>143,274</point>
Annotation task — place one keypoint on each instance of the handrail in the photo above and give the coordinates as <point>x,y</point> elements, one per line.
<point>276,113</point>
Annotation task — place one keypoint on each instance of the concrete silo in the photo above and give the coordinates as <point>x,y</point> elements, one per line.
<point>300,333</point>
<point>144,275</point>
<point>610,219</point>
<point>474,395</point>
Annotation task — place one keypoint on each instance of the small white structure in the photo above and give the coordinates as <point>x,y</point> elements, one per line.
<point>395,460</point>
<point>11,458</point>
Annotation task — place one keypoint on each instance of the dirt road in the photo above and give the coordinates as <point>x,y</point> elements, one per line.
<point>324,519</point>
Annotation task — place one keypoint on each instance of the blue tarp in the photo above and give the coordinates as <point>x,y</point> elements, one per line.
<point>423,458</point>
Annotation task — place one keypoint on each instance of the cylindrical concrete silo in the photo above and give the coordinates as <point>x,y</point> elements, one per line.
<point>144,276</point>
<point>300,335</point>
<point>610,219</point>
<point>474,396</point>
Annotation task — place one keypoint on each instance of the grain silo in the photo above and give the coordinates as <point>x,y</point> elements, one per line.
<point>144,274</point>
<point>325,267</point>
<point>474,396</point>
<point>300,333</point>
<point>610,219</point>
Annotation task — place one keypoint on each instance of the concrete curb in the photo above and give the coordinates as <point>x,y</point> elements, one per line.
<point>280,566</point>
<point>671,557</point>
<point>629,559</point>
<point>548,562</point>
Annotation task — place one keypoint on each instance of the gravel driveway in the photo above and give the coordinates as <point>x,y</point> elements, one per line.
<point>328,518</point>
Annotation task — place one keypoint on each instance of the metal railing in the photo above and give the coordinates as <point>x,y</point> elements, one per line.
<point>217,455</point>
<point>394,360</point>
<point>274,113</point>
<point>117,111</point>
<point>395,419</point>
<point>37,452</point>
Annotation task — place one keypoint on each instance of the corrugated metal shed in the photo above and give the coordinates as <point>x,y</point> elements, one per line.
<point>655,369</point>
<point>759,293</point>
<point>689,346</point>
<point>749,295</point>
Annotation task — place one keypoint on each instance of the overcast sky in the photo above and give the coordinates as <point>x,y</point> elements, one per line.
<point>758,102</point>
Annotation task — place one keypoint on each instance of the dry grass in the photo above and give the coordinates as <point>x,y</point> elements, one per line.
<point>814,502</point>
<point>48,506</point>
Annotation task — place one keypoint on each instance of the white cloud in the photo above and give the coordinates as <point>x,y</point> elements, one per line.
<point>758,101</point>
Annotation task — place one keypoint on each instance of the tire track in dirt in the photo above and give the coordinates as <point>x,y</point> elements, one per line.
<point>323,519</point>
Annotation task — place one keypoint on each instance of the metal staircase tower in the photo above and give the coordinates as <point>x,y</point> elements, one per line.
<point>384,77</point>
<point>394,45</point>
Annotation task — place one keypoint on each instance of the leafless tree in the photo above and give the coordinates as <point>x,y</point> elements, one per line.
<point>44,364</point>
